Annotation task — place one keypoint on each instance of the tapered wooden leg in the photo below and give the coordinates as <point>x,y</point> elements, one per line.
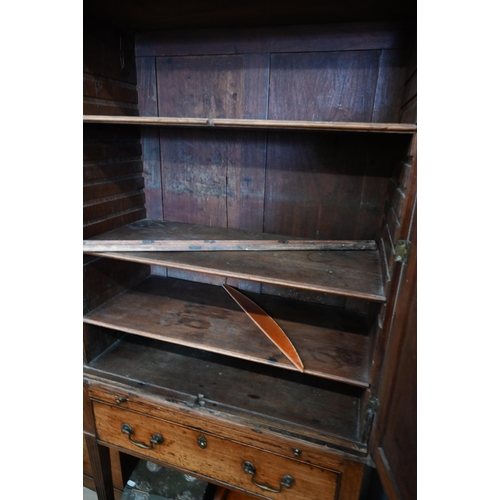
<point>101,469</point>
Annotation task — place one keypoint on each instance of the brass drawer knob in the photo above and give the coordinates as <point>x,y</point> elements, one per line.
<point>287,481</point>
<point>202,441</point>
<point>155,438</point>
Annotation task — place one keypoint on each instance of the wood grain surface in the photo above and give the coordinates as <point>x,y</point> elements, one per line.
<point>333,346</point>
<point>347,273</point>
<point>295,403</point>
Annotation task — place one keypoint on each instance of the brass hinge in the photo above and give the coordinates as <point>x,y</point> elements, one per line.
<point>402,251</point>
<point>371,412</point>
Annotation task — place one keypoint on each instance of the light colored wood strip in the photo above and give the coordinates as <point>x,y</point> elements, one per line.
<point>227,245</point>
<point>401,128</point>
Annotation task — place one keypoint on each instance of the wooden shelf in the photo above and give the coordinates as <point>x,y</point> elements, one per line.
<point>348,273</point>
<point>332,345</point>
<point>262,396</point>
<point>388,128</point>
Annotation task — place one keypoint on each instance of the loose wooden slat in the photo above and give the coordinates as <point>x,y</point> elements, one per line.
<point>396,128</point>
<point>218,245</point>
<point>347,273</point>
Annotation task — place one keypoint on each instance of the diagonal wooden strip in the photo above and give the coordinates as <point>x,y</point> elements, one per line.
<point>267,325</point>
<point>221,245</point>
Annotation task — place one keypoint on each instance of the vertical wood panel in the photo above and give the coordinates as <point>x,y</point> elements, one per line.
<point>214,177</point>
<point>330,86</point>
<point>109,70</point>
<point>314,185</point>
<point>150,136</point>
<point>389,87</point>
<point>214,86</point>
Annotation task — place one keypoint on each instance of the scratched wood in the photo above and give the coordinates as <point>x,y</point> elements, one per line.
<point>284,399</point>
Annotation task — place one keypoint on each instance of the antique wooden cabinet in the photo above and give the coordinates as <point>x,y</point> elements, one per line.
<point>210,120</point>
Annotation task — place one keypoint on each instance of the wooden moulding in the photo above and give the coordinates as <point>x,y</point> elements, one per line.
<point>332,345</point>
<point>394,128</point>
<point>348,273</point>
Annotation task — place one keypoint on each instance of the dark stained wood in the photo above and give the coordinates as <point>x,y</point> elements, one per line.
<point>105,278</point>
<point>109,70</point>
<point>334,37</point>
<point>113,179</point>
<point>96,340</point>
<point>323,87</point>
<point>348,273</point>
<point>326,186</point>
<point>150,138</point>
<point>214,177</point>
<point>390,80</point>
<point>203,316</point>
<point>237,123</point>
<point>394,443</point>
<point>284,399</point>
<point>101,468</point>
<point>213,86</point>
<point>157,14</point>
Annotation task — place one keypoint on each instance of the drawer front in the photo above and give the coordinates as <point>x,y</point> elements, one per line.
<point>214,457</point>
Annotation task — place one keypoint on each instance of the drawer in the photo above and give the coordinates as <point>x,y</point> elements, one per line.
<point>232,463</point>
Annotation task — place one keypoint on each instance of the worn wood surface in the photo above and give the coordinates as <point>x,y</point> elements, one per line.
<point>347,273</point>
<point>105,278</point>
<point>324,86</point>
<point>394,443</point>
<point>221,245</point>
<point>337,126</point>
<point>221,460</point>
<point>332,344</point>
<point>288,400</point>
<point>109,74</point>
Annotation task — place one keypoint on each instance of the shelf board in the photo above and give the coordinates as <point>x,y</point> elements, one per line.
<point>332,345</point>
<point>262,396</point>
<point>348,273</point>
<point>388,128</point>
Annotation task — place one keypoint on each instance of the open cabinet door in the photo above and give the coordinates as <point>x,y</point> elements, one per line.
<point>394,440</point>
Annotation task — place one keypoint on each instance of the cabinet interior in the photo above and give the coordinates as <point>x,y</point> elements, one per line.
<point>161,321</point>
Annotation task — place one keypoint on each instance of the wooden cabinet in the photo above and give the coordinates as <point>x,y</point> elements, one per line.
<point>273,122</point>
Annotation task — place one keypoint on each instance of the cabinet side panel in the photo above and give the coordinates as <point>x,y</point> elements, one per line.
<point>109,77</point>
<point>113,184</point>
<point>409,102</point>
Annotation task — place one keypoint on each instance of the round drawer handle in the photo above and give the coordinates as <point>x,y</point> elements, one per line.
<point>287,481</point>
<point>155,438</point>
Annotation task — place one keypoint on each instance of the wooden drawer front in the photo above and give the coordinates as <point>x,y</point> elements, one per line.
<point>221,460</point>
